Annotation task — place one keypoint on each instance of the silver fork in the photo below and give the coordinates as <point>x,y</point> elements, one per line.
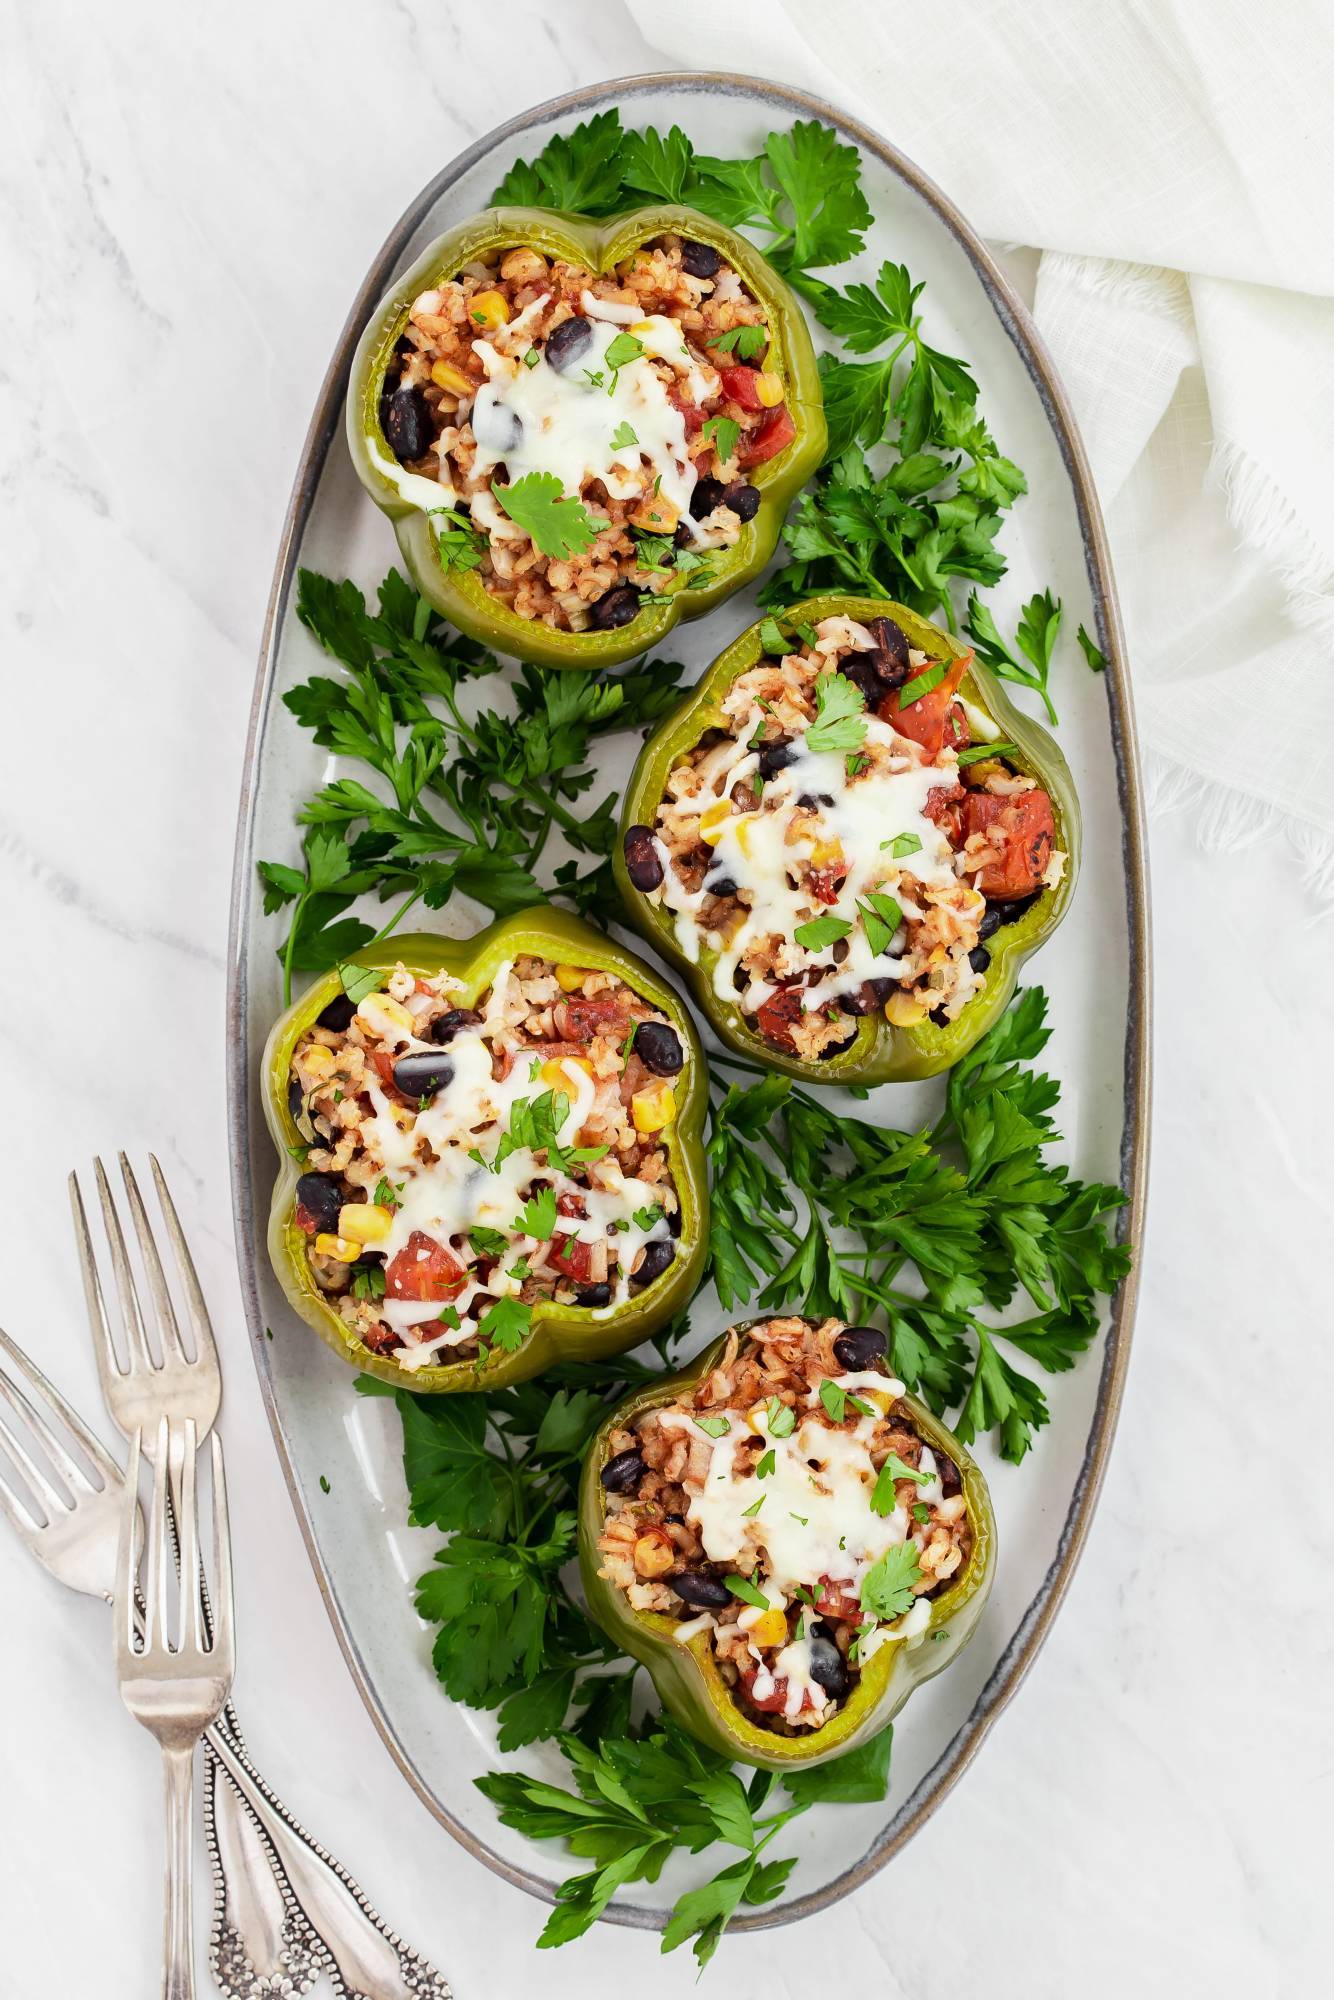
<point>174,1677</point>
<point>311,1915</point>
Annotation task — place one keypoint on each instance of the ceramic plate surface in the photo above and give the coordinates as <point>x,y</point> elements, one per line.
<point>1095,970</point>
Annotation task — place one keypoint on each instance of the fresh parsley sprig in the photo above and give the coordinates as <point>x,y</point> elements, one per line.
<point>938,1230</point>
<point>461,804</point>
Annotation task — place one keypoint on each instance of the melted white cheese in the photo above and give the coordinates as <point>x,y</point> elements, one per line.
<point>443,1192</point>
<point>865,813</point>
<point>541,420</point>
<point>815,1518</point>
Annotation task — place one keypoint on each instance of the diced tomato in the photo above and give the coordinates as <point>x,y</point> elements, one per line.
<point>774,434</point>
<point>1021,826</point>
<point>740,384</point>
<point>775,1701</point>
<point>942,809</point>
<point>425,1270</point>
<point>957,733</point>
<point>574,1256</point>
<point>571,1204</point>
<point>384,1061</point>
<point>690,411</point>
<point>303,1219</point>
<point>825,883</point>
<point>926,720</point>
<point>776,1016</point>
<point>837,1600</point>
<point>582,1020</point>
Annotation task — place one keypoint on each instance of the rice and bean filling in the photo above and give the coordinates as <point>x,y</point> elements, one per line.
<point>788,1508</point>
<point>643,393</point>
<point>467,1163</point>
<point>846,842</point>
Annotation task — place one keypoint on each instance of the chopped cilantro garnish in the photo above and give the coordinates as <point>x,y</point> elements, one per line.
<point>821,931</point>
<point>748,1591</point>
<point>840,722</point>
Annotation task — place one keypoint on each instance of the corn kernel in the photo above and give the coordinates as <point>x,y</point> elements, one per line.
<point>826,853</point>
<point>378,1012</point>
<point>882,1399</point>
<point>317,1062</point>
<point>654,1107</point>
<point>338,1247</point>
<point>713,819</point>
<point>488,309</point>
<point>446,376</point>
<point>654,1553</point>
<point>904,1010</point>
<point>570,978</point>
<point>747,828</point>
<point>770,1629</point>
<point>364,1222</point>
<point>555,1071</point>
<point>655,515</point>
<point>641,328</point>
<point>523,267</point>
<point>769,389</point>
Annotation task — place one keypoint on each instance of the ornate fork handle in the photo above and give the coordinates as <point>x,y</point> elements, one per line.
<point>320,1920</point>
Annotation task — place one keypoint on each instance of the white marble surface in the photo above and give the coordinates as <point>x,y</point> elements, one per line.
<point>183,224</point>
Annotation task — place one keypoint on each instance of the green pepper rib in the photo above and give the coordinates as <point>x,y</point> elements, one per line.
<point>461,596</point>
<point>877,1053</point>
<point>557,1333</point>
<point>687,1677</point>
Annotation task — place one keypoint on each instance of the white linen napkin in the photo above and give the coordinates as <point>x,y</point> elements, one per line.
<point>1173,161</point>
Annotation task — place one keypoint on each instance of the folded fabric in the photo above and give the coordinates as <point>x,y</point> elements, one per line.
<point>1173,162</point>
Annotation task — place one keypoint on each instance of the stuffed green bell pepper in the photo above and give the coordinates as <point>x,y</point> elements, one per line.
<point>787,1541</point>
<point>585,431</point>
<point>850,840</point>
<point>491,1154</point>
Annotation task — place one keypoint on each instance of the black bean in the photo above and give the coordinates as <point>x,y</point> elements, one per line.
<point>658,1048</point>
<point>840,950</point>
<point>701,260</point>
<point>859,668</point>
<point>829,1669</point>
<point>740,978</point>
<point>831,1049</point>
<point>881,990</point>
<point>858,1347</point>
<point>616,607</point>
<point>775,757</point>
<point>698,1589</point>
<point>891,650</point>
<point>337,1014</point>
<point>321,1195</point>
<point>707,495</point>
<point>951,1480</point>
<point>422,1074</point>
<point>496,427</point>
<point>719,885</point>
<point>674,1222</point>
<point>657,1256</point>
<point>454,1022</point>
<point>593,1295</point>
<point>623,1473</point>
<point>991,921</point>
<point>743,499</point>
<point>296,1103</point>
<point>979,958</point>
<point>567,344</point>
<point>810,800</point>
<point>1010,913</point>
<point>684,537</point>
<point>642,861</point>
<point>407,425</point>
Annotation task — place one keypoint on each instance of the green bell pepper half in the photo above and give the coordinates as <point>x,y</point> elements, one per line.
<point>460,595</point>
<point>686,1675</point>
<point>557,1333</point>
<point>877,1052</point>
